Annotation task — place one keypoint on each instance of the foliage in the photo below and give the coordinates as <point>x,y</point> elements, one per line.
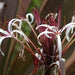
<point>33,4</point>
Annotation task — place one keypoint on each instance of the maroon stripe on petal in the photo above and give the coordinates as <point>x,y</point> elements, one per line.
<point>1,34</point>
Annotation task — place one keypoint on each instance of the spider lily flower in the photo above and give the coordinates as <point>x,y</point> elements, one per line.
<point>55,31</point>
<point>14,21</point>
<point>47,36</point>
<point>49,31</point>
<point>17,23</point>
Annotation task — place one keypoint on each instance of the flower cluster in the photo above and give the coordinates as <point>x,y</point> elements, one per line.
<point>49,38</point>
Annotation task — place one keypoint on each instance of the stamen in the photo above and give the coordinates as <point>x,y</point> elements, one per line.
<point>31,28</point>
<point>67,46</point>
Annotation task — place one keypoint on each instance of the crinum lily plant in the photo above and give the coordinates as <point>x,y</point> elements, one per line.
<point>49,52</point>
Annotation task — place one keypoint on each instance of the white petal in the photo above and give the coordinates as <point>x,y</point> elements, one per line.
<point>38,56</point>
<point>54,49</point>
<point>2,52</point>
<point>17,25</point>
<point>59,45</point>
<point>71,30</point>
<point>62,66</point>
<point>68,25</point>
<point>39,43</point>
<point>1,39</point>
<point>12,23</point>
<point>47,26</point>
<point>41,50</point>
<point>57,62</point>
<point>4,32</point>
<point>67,34</point>
<point>45,32</point>
<point>31,16</point>
<point>47,36</point>
<point>68,31</point>
<point>73,18</point>
<point>21,33</point>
